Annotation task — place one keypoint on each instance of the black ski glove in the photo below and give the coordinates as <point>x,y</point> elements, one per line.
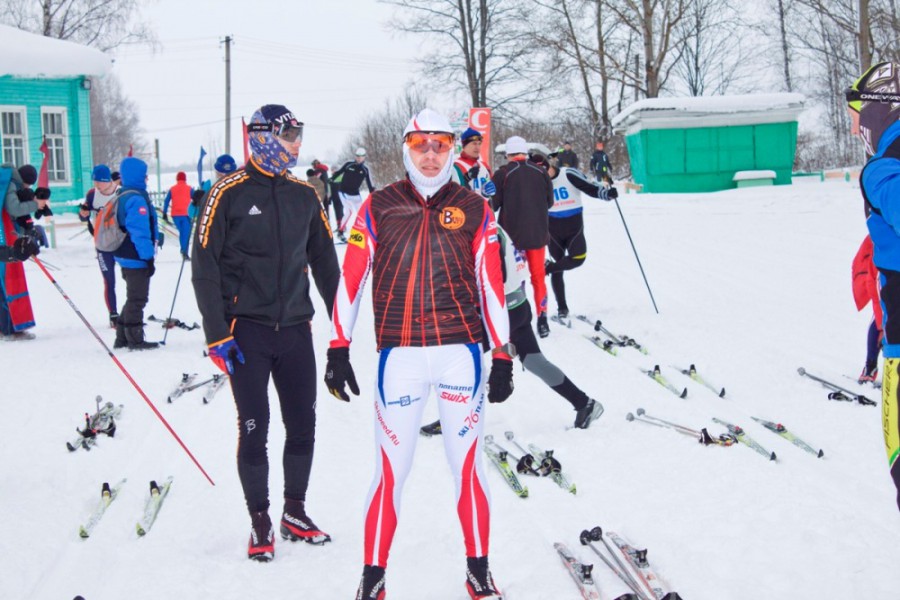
<point>500,381</point>
<point>339,372</point>
<point>612,194</point>
<point>43,212</point>
<point>42,193</point>
<point>25,194</point>
<point>197,196</point>
<point>24,248</point>
<point>472,173</point>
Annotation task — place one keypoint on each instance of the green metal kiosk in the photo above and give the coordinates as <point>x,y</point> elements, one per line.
<point>700,144</point>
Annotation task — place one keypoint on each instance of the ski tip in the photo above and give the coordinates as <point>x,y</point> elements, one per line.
<point>83,533</point>
<point>772,457</point>
<point>71,447</point>
<point>683,394</point>
<point>509,435</point>
<point>672,596</point>
<point>722,393</point>
<point>140,530</point>
<point>820,454</point>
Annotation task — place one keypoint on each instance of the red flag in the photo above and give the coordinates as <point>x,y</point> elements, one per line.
<point>480,121</point>
<point>43,177</point>
<point>246,141</point>
<point>130,149</point>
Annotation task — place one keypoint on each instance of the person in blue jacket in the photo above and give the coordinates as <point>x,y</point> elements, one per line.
<point>135,256</point>
<point>874,106</point>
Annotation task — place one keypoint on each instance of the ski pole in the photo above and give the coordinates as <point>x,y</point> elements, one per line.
<point>122,368</point>
<point>175,295</point>
<point>588,537</point>
<point>633,249</point>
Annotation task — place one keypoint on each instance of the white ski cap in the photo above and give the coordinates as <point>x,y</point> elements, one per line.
<point>516,145</point>
<point>360,151</point>
<point>428,121</point>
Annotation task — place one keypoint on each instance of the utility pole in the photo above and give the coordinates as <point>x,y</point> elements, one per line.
<point>228,40</point>
<point>156,155</point>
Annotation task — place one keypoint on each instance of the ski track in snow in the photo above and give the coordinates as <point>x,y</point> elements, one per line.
<point>751,284</point>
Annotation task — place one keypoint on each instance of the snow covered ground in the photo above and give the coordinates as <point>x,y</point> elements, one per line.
<point>751,284</point>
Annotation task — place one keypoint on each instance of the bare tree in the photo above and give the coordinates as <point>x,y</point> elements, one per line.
<point>101,24</point>
<point>712,58</point>
<point>655,22</point>
<point>485,56</point>
<point>115,125</point>
<point>381,134</point>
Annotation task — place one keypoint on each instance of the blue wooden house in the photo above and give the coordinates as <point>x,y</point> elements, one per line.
<point>45,94</point>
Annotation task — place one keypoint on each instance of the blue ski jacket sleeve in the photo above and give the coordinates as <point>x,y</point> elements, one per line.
<point>880,183</point>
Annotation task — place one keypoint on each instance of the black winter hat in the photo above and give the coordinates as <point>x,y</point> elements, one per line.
<point>28,174</point>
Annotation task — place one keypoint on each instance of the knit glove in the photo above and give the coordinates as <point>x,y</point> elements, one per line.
<point>224,353</point>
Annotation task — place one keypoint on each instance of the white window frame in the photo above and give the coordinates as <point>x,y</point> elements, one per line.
<point>64,112</point>
<point>22,110</point>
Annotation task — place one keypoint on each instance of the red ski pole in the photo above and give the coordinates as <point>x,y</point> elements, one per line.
<point>122,368</point>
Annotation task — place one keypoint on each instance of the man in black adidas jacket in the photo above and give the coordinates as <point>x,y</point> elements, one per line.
<point>260,232</point>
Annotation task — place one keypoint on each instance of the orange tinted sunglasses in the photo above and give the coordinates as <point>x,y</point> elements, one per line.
<point>423,142</point>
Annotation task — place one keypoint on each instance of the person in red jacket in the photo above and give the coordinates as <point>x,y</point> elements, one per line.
<point>180,197</point>
<point>865,290</point>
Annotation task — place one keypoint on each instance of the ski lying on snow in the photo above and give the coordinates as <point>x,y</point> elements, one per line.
<point>552,468</point>
<point>183,386</point>
<point>152,505</point>
<point>619,340</point>
<point>213,387</point>
<point>607,345</point>
<point>779,429</point>
<point>107,495</point>
<point>102,421</point>
<point>838,392</point>
<point>745,439</point>
<point>656,375</point>
<point>693,374</point>
<point>638,561</point>
<point>580,572</point>
<point>563,321</point>
<point>499,458</point>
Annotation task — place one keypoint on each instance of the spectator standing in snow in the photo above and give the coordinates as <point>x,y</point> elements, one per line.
<point>103,191</point>
<point>20,250</point>
<point>567,156</point>
<point>260,233</point>
<point>313,179</point>
<point>469,170</point>
<point>19,201</point>
<point>600,166</point>
<point>352,175</point>
<point>321,172</point>
<point>179,195</point>
<point>874,108</point>
<point>524,195</point>
<point>136,254</point>
<point>426,228</point>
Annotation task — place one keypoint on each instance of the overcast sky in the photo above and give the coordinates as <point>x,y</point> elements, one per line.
<point>330,62</point>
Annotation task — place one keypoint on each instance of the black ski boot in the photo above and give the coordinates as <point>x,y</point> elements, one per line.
<point>590,413</point>
<point>479,582</point>
<point>371,586</point>
<point>135,336</point>
<point>121,340</point>
<point>295,525</point>
<point>543,328</point>
<point>262,537</point>
<point>431,429</point>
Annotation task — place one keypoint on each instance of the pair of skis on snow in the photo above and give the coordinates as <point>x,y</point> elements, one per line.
<point>534,461</point>
<point>172,323</point>
<point>627,562</point>
<point>103,421</point>
<point>108,494</point>
<point>187,384</point>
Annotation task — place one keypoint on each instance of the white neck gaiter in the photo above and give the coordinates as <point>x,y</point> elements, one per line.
<point>427,186</point>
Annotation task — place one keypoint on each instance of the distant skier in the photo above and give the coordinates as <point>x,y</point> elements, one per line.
<point>96,198</point>
<point>352,175</point>
<point>568,246</point>
<point>600,165</point>
<point>179,197</point>
<point>874,106</point>
<point>567,156</point>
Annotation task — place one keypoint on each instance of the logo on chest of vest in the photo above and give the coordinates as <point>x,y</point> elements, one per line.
<point>254,211</point>
<point>452,218</point>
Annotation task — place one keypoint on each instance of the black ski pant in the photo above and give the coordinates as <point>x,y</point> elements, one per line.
<point>336,204</point>
<point>137,293</point>
<point>568,248</point>
<point>287,356</point>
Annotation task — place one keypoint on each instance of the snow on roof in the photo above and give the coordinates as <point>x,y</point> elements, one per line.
<point>24,54</point>
<point>711,110</point>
